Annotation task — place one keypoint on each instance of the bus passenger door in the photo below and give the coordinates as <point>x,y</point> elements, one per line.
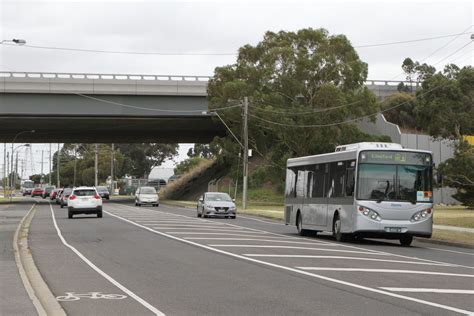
<point>321,199</point>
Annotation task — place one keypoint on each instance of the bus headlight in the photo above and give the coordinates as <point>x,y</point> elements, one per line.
<point>373,215</point>
<point>418,216</point>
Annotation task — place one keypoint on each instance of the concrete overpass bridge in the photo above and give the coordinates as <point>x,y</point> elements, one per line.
<point>104,108</point>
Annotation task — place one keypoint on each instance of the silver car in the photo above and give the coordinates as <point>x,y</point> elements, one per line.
<point>146,195</point>
<point>216,204</point>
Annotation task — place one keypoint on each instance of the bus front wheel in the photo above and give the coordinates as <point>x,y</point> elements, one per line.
<point>405,241</point>
<point>299,225</point>
<point>336,230</point>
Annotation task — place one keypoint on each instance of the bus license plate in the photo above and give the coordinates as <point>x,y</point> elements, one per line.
<point>394,229</point>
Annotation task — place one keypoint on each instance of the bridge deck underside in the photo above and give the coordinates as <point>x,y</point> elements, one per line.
<point>60,129</point>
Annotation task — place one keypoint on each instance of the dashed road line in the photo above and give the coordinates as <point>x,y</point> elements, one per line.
<point>293,247</point>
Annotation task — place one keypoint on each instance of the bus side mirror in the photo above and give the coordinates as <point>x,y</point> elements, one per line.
<point>439,178</point>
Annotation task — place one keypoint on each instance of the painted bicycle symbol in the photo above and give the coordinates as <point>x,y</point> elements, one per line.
<point>71,296</point>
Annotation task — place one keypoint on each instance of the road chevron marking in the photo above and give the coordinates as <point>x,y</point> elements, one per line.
<point>422,290</point>
<point>102,273</point>
<point>385,271</point>
<point>134,209</point>
<point>354,285</point>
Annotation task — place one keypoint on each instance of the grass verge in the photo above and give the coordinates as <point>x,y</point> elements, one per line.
<point>457,215</point>
<point>454,237</point>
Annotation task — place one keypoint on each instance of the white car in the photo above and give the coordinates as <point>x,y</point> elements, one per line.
<point>84,200</point>
<point>146,195</point>
<point>216,204</point>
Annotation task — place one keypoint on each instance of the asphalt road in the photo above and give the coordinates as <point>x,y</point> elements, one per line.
<point>145,260</point>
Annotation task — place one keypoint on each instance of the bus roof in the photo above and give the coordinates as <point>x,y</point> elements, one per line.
<point>348,152</point>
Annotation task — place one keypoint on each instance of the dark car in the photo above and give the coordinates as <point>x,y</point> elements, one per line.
<point>64,196</point>
<point>47,191</point>
<point>58,196</point>
<point>37,192</point>
<point>103,192</point>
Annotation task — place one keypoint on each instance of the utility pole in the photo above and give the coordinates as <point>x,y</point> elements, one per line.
<point>96,171</point>
<point>42,162</point>
<point>50,183</point>
<point>75,165</point>
<point>8,170</point>
<point>246,153</point>
<point>112,160</point>
<point>57,168</point>
<point>4,179</point>
<point>16,170</point>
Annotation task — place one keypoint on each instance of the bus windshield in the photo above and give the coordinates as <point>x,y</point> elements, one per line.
<point>401,180</point>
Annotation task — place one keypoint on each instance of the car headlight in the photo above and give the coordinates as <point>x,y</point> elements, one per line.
<point>373,215</point>
<point>232,208</point>
<point>421,215</point>
<point>208,206</point>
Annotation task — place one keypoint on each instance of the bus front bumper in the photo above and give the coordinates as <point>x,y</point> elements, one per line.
<point>392,228</point>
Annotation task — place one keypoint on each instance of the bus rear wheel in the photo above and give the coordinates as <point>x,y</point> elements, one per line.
<point>405,241</point>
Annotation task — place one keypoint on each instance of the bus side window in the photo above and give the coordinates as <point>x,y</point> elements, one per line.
<point>350,181</point>
<point>290,187</point>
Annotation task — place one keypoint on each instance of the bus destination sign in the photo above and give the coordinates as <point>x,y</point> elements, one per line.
<point>395,157</point>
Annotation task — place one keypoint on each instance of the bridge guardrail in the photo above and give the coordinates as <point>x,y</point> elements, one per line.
<point>60,75</point>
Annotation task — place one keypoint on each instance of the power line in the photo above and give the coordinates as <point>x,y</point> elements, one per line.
<point>151,109</point>
<point>459,49</point>
<point>290,112</point>
<point>412,41</point>
<point>437,50</point>
<point>211,53</point>
<point>346,121</point>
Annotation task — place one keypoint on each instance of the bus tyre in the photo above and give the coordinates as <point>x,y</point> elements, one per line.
<point>299,225</point>
<point>336,230</point>
<point>405,241</point>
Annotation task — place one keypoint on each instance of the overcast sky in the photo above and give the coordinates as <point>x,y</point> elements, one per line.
<point>221,27</point>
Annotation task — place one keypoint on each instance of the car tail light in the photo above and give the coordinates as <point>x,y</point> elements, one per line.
<point>96,196</point>
<point>72,197</point>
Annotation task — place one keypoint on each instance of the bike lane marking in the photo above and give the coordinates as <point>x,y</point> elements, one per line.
<point>298,271</point>
<point>102,273</point>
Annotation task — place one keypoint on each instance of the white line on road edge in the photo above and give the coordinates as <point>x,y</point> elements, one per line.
<point>25,278</point>
<point>345,258</point>
<point>453,251</point>
<point>446,307</point>
<point>220,234</point>
<point>385,271</point>
<point>295,247</point>
<point>421,290</point>
<point>102,273</point>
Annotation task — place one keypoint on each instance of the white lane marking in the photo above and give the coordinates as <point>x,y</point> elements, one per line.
<point>294,247</point>
<point>385,271</point>
<point>202,229</point>
<point>220,234</point>
<point>318,276</point>
<point>259,220</point>
<point>190,225</point>
<point>252,239</point>
<point>344,258</point>
<point>102,273</point>
<point>321,241</point>
<point>453,251</point>
<point>422,290</point>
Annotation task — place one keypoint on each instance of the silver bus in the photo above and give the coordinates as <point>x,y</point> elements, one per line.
<point>374,190</point>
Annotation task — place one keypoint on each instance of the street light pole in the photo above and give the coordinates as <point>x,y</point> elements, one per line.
<point>96,171</point>
<point>58,183</point>
<point>13,142</point>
